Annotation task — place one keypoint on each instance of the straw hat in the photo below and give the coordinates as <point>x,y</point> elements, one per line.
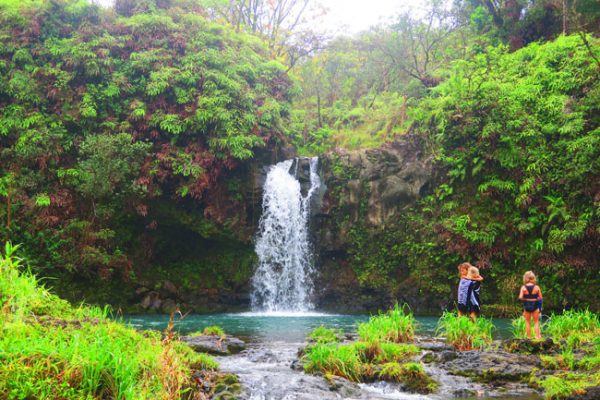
<point>473,274</point>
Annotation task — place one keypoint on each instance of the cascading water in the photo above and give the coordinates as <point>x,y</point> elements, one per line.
<point>283,279</point>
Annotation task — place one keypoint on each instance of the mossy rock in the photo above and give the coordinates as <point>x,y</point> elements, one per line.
<point>227,387</point>
<point>530,346</point>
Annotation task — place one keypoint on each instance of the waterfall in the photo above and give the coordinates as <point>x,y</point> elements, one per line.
<point>283,278</point>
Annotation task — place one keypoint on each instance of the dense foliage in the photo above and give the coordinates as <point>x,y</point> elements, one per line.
<point>130,139</point>
<point>518,138</point>
<point>515,142</point>
<point>113,125</point>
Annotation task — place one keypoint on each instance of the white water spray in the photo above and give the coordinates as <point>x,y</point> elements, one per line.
<point>283,280</point>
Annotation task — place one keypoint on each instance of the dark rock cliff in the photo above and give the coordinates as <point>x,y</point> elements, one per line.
<point>367,191</point>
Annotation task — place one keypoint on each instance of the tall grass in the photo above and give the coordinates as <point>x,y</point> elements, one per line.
<point>518,328</point>
<point>397,325</point>
<point>571,322</point>
<point>379,354</point>
<point>339,360</point>
<point>49,349</point>
<point>463,333</point>
<point>322,334</point>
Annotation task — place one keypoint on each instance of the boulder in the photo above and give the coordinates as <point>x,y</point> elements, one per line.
<point>592,393</point>
<point>212,344</point>
<point>343,386</point>
<point>492,366</point>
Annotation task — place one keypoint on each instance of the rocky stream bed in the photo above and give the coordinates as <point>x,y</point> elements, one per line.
<point>272,370</point>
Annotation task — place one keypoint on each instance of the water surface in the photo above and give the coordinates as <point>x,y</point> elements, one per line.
<point>288,327</point>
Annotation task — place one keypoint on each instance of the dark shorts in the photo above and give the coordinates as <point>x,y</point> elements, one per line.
<point>538,306</point>
<point>468,308</point>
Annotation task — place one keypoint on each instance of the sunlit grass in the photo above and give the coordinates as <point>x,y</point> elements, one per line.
<point>411,374</point>
<point>322,334</point>
<point>212,330</point>
<point>518,328</point>
<point>463,333</point>
<point>383,352</point>
<point>50,350</point>
<point>565,385</point>
<point>339,360</point>
<point>397,325</point>
<point>379,354</point>
<point>571,322</point>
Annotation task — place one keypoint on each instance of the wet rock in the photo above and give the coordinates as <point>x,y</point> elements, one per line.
<point>492,366</point>
<point>433,344</point>
<point>227,387</point>
<point>151,301</point>
<point>212,344</point>
<point>343,386</point>
<point>389,178</point>
<point>592,393</point>
<point>464,393</point>
<point>266,356</point>
<point>447,355</point>
<point>429,357</point>
<point>529,346</point>
<point>297,365</point>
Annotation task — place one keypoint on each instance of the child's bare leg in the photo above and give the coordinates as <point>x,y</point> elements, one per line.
<point>473,316</point>
<point>527,317</point>
<point>536,321</point>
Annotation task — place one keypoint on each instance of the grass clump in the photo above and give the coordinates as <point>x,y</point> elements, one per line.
<point>322,334</point>
<point>49,349</point>
<point>568,384</point>
<point>577,332</point>
<point>396,325</point>
<point>518,328</point>
<point>379,354</point>
<point>213,330</point>
<point>463,333</point>
<point>411,374</point>
<point>383,352</point>
<point>571,322</point>
<point>339,360</point>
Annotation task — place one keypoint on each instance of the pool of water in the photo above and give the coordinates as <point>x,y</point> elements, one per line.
<point>290,327</point>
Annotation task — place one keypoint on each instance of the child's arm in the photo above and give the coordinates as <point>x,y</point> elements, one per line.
<point>521,293</point>
<point>539,293</point>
